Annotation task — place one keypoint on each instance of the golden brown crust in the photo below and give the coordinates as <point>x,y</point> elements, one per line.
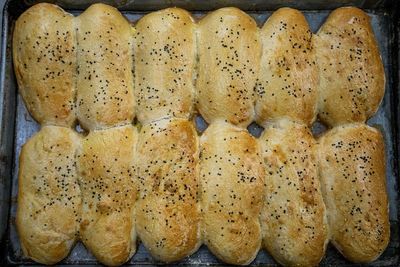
<point>165,55</point>
<point>106,176</point>
<point>231,173</point>
<point>293,219</point>
<point>352,168</point>
<point>167,211</point>
<point>229,54</point>
<point>48,187</point>
<point>288,80</point>
<point>49,45</point>
<point>44,53</point>
<point>352,79</point>
<point>105,64</point>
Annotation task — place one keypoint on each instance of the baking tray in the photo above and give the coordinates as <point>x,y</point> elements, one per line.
<point>16,125</point>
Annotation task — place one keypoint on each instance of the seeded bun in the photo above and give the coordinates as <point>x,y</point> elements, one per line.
<point>165,50</point>
<point>105,81</point>
<point>168,210</point>
<point>229,54</point>
<point>49,198</point>
<point>231,173</point>
<point>288,81</point>
<point>352,78</point>
<point>44,53</point>
<point>352,172</point>
<point>225,189</point>
<point>293,220</point>
<point>106,176</point>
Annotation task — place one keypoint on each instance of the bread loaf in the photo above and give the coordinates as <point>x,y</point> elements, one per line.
<point>231,173</point>
<point>106,176</point>
<point>168,210</point>
<point>49,200</point>
<point>288,80</point>
<point>165,54</point>
<point>352,79</point>
<point>44,53</point>
<point>229,54</point>
<point>225,189</point>
<point>105,64</point>
<point>352,168</point>
<point>293,221</point>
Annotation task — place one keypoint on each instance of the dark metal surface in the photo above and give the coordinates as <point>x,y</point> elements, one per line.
<point>16,125</point>
<point>198,5</point>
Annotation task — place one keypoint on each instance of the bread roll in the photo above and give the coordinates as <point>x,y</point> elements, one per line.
<point>165,56</point>
<point>293,221</point>
<point>106,174</point>
<point>288,80</point>
<point>105,61</point>
<point>168,211</point>
<point>352,168</point>
<point>44,53</point>
<point>49,200</point>
<point>231,173</point>
<point>352,79</point>
<point>229,54</point>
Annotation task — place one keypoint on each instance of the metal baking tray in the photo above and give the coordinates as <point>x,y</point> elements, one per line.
<point>16,125</point>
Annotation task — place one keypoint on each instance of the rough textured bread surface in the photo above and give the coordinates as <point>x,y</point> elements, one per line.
<point>288,80</point>
<point>293,221</point>
<point>105,61</point>
<point>44,53</point>
<point>352,77</point>
<point>106,173</point>
<point>229,54</point>
<point>231,173</point>
<point>49,202</point>
<point>165,55</point>
<point>352,168</point>
<point>168,211</point>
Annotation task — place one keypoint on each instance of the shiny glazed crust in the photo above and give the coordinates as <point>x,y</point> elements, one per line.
<point>293,220</point>
<point>231,173</point>
<point>353,179</point>
<point>47,187</point>
<point>351,74</point>
<point>168,210</point>
<point>226,189</point>
<point>288,81</point>
<point>106,177</point>
<point>44,53</point>
<point>165,49</point>
<point>105,63</point>
<point>229,53</point>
